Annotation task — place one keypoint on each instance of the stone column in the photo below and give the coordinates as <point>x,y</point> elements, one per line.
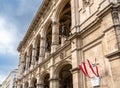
<point>24,85</point>
<point>19,67</point>
<point>54,83</point>
<point>75,44</point>
<point>33,55</point>
<point>75,16</point>
<point>42,47</point>
<point>77,79</point>
<point>39,83</point>
<point>30,85</point>
<point>55,35</point>
<point>18,84</point>
<point>27,62</point>
<point>21,64</point>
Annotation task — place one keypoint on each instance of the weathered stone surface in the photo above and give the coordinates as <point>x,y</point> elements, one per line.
<point>92,28</point>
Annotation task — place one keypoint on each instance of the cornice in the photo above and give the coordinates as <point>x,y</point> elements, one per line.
<point>34,22</point>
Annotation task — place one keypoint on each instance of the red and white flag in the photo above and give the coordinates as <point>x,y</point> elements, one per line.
<point>89,70</point>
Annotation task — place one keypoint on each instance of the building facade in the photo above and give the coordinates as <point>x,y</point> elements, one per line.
<point>65,33</point>
<point>9,82</point>
<point>0,86</point>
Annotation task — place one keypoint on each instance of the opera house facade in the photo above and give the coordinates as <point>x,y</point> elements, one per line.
<point>65,33</point>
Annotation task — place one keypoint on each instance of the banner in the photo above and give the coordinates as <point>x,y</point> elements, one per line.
<point>91,71</point>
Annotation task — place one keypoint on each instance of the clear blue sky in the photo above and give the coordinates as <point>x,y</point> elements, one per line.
<point>15,18</point>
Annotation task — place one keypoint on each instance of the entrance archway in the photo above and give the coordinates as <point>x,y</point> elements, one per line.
<point>34,83</point>
<point>37,47</point>
<point>26,85</point>
<point>46,81</point>
<point>21,86</point>
<point>65,77</point>
<point>64,15</point>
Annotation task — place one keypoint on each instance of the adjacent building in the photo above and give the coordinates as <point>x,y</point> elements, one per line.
<point>65,33</point>
<point>9,82</point>
<point>0,86</point>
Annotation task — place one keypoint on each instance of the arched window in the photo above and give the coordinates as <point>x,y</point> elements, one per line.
<point>37,47</point>
<point>48,39</point>
<point>30,53</point>
<point>46,81</point>
<point>65,22</point>
<point>25,60</point>
<point>35,83</point>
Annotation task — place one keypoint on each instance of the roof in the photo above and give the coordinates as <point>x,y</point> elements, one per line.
<point>33,23</point>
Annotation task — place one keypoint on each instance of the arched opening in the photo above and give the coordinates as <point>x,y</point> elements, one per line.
<point>30,55</point>
<point>26,85</point>
<point>34,82</point>
<point>25,60</point>
<point>65,77</point>
<point>48,41</point>
<point>65,23</point>
<point>48,38</point>
<point>21,86</point>
<point>37,47</point>
<point>46,81</point>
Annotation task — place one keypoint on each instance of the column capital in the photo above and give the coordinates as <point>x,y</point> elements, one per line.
<point>54,79</point>
<point>40,85</point>
<point>55,23</point>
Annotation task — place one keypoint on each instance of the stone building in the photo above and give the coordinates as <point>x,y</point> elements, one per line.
<point>65,33</point>
<point>9,82</point>
<point>0,86</point>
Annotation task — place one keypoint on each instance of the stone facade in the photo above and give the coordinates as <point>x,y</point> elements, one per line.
<point>65,33</point>
<point>0,86</point>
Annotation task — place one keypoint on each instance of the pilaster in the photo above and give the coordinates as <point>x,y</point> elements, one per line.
<point>75,16</point>
<point>39,83</point>
<point>22,63</point>
<point>54,83</point>
<point>30,84</point>
<point>55,35</point>
<point>42,47</point>
<point>77,78</point>
<point>33,54</point>
<point>76,58</point>
<point>24,85</point>
<point>27,62</point>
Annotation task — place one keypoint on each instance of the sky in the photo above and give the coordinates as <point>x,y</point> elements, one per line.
<point>15,18</point>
